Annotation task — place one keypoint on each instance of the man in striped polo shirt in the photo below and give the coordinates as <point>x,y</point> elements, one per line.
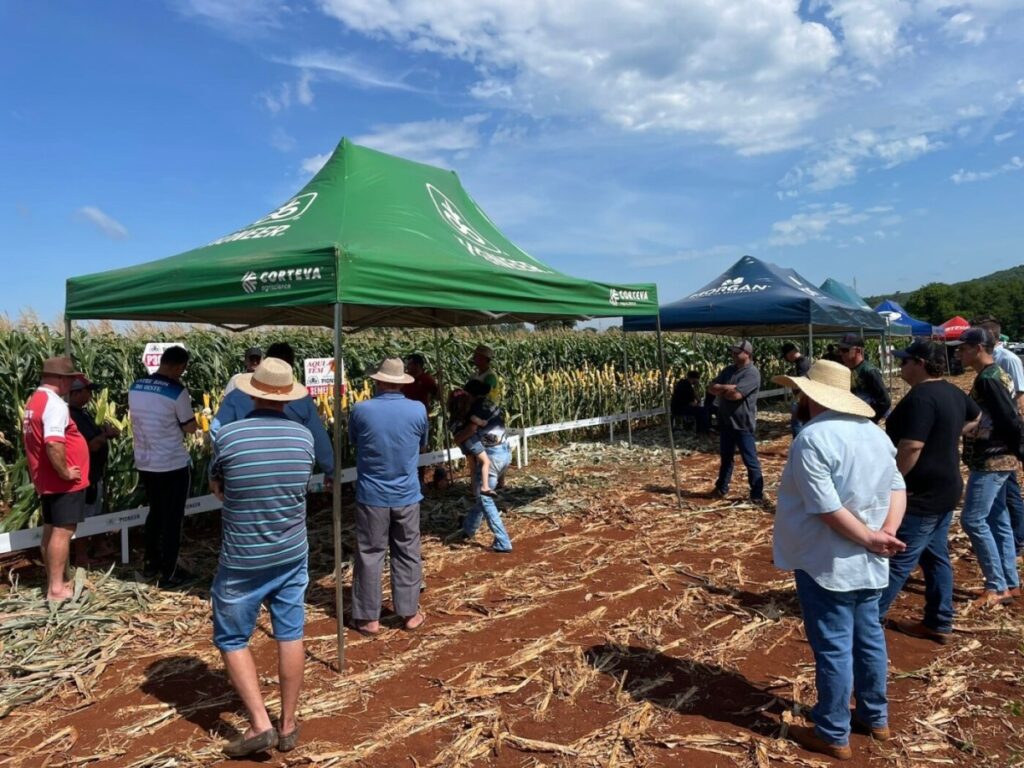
<point>261,466</point>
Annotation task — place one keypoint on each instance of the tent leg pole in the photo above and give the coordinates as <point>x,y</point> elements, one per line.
<point>625,385</point>
<point>668,412</point>
<point>339,598</point>
<point>67,338</point>
<point>444,403</point>
<point>810,341</point>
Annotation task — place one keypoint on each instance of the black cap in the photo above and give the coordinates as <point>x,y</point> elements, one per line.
<point>976,335</point>
<point>788,347</point>
<point>851,340</point>
<point>254,352</point>
<point>743,346</point>
<point>918,350</point>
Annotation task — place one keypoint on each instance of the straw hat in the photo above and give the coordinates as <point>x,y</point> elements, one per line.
<point>272,380</point>
<point>828,384</point>
<point>392,371</point>
<point>484,351</point>
<point>59,366</point>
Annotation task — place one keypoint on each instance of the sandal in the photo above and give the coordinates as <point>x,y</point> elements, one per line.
<point>406,626</point>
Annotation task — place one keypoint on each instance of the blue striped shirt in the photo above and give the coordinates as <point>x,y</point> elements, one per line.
<point>264,461</point>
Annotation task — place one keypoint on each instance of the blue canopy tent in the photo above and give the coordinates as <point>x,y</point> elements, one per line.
<point>847,295</point>
<point>917,327</point>
<point>756,298</point>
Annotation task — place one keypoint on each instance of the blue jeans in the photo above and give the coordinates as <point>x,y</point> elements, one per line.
<point>927,540</point>
<point>1015,505</point>
<point>795,425</point>
<point>730,440</point>
<point>987,523</point>
<point>846,638</point>
<point>484,507</point>
<point>236,596</point>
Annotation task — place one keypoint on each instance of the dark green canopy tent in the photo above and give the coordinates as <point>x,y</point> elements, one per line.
<point>372,241</point>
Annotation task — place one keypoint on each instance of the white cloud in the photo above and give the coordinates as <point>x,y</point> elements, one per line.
<point>427,141</point>
<point>965,177</point>
<point>746,74</point>
<point>348,68</point>
<point>999,138</point>
<point>284,95</point>
<point>303,91</point>
<point>312,165</point>
<point>871,28</point>
<point>819,223</point>
<point>106,224</point>
<point>281,140</point>
<point>237,18</point>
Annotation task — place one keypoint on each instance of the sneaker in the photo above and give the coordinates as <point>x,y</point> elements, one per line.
<point>807,738</point>
<point>178,579</point>
<point>921,630</point>
<point>716,493</point>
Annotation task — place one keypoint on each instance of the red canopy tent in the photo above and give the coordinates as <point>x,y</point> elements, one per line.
<point>953,327</point>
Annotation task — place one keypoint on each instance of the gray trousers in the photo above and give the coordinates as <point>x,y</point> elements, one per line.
<point>379,529</point>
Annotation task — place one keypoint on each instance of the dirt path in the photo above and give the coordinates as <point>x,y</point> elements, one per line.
<point>621,632</point>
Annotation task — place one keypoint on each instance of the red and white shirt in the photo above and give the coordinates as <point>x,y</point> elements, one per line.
<point>47,420</point>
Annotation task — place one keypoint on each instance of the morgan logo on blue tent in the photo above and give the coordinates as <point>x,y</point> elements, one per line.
<point>474,243</point>
<point>730,286</point>
<point>619,298</point>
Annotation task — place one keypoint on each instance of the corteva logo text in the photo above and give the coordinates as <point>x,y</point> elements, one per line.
<point>278,279</point>
<point>730,286</point>
<point>619,298</point>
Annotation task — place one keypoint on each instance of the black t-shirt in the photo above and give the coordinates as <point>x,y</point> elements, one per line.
<point>933,413</point>
<point>801,366</point>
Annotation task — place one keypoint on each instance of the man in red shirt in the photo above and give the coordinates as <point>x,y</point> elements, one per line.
<point>423,387</point>
<point>58,463</point>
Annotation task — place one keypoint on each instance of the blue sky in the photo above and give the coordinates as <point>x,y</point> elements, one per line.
<point>876,141</point>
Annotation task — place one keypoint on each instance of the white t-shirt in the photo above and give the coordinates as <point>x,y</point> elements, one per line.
<point>159,407</point>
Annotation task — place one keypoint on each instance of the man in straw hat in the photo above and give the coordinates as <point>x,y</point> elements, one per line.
<point>841,498</point>
<point>58,463</point>
<point>990,452</point>
<point>925,426</point>
<point>388,432</point>
<point>261,466</point>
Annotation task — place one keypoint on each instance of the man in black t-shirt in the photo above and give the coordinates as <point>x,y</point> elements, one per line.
<point>867,379</point>
<point>686,403</point>
<point>925,427</point>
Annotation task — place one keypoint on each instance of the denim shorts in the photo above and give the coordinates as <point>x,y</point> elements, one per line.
<point>236,597</point>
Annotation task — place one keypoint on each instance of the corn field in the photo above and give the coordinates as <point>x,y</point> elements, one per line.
<point>547,377</point>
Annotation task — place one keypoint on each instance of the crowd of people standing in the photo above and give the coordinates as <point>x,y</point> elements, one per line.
<point>858,508</point>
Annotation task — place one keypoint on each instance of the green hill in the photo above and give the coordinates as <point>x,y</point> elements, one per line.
<point>1000,294</point>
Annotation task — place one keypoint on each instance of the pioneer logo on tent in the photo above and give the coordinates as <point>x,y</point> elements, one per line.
<point>475,243</point>
<point>619,298</point>
<point>270,225</point>
<point>730,286</point>
<point>278,279</point>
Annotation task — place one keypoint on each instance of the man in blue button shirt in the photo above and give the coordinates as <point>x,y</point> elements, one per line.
<point>388,432</point>
<point>841,500</point>
<point>237,405</point>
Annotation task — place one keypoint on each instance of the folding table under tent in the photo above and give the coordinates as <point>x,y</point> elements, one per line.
<point>372,241</point>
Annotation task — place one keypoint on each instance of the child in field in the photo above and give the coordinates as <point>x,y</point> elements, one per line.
<point>460,406</point>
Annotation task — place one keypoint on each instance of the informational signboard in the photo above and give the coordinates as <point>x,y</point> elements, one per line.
<point>154,350</point>
<point>320,375</point>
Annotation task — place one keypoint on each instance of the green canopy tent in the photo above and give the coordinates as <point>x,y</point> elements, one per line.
<point>372,241</point>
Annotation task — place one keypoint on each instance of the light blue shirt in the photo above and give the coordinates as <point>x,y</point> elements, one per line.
<point>1012,364</point>
<point>388,431</point>
<point>237,405</point>
<point>837,461</point>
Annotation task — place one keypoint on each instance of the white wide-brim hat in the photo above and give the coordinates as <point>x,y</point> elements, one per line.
<point>828,384</point>
<point>392,371</point>
<point>273,379</point>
